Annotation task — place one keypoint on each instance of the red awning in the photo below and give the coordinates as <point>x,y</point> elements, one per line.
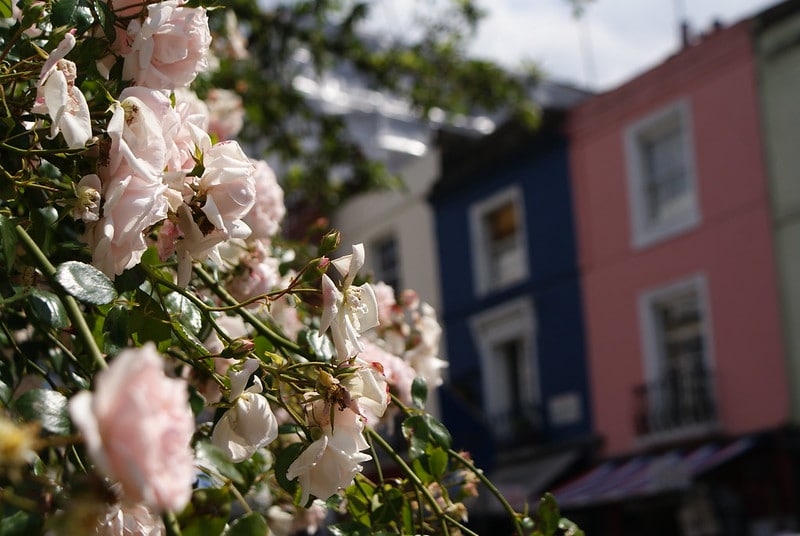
<point>646,475</point>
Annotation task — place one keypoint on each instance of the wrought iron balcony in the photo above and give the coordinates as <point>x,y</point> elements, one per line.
<point>674,403</point>
<point>518,426</point>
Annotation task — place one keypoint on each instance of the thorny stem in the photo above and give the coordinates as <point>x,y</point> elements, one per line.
<point>71,305</point>
<point>429,498</point>
<point>171,524</point>
<point>492,488</point>
<point>251,319</point>
<point>478,472</point>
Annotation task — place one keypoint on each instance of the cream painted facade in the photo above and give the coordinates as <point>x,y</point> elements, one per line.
<point>405,215</point>
<point>778,61</point>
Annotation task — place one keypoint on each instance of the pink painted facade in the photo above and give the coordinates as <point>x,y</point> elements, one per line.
<point>730,248</point>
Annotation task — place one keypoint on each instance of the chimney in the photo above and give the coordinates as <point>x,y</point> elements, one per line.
<point>686,34</point>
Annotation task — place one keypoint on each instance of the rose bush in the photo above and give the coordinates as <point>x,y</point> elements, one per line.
<point>170,362</point>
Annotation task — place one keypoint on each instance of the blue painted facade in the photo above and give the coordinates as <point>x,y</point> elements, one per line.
<point>538,164</point>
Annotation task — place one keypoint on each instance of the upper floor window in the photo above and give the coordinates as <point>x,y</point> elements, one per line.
<point>661,175</point>
<point>386,257</point>
<point>498,240</point>
<point>679,392</point>
<point>505,338</point>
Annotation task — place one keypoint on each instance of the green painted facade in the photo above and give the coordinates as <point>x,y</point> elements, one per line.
<point>777,48</point>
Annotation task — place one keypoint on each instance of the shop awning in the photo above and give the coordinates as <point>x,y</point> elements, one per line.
<point>646,475</point>
<point>521,483</point>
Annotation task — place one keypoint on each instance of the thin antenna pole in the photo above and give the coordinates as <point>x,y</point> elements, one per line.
<point>682,22</point>
<point>587,50</point>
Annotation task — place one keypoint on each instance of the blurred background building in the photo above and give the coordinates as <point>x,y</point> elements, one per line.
<point>619,289</point>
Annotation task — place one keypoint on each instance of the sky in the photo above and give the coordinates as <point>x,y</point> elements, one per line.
<point>614,41</point>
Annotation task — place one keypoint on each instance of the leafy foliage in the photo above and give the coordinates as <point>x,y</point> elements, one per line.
<point>65,323</point>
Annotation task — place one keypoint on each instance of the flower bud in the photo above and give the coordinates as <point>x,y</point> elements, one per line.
<point>330,241</point>
<point>238,348</point>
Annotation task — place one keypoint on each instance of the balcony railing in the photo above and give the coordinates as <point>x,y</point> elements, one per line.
<point>675,402</point>
<point>518,426</point>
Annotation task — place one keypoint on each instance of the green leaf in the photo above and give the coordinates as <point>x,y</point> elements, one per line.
<point>46,308</point>
<point>320,345</point>
<point>63,12</point>
<point>106,20</point>
<point>148,320</point>
<point>85,282</point>
<point>439,433</point>
<point>547,516</point>
<point>115,329</point>
<point>5,9</point>
<point>8,239</point>
<point>419,392</point>
<point>214,461</point>
<point>416,432</point>
<point>207,512</point>
<point>568,528</point>
<point>46,406</point>
<point>21,524</point>
<point>282,463</point>
<point>187,313</point>
<point>437,462</point>
<point>251,524</point>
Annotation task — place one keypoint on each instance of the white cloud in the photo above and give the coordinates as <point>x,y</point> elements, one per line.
<point>626,37</point>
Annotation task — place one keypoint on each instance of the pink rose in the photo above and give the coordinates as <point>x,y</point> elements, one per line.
<point>399,374</point>
<point>137,426</point>
<point>140,127</point>
<point>132,205</point>
<point>129,520</point>
<point>229,188</point>
<point>193,116</point>
<point>386,302</point>
<point>332,461</point>
<point>264,219</point>
<point>169,48</point>
<point>226,113</point>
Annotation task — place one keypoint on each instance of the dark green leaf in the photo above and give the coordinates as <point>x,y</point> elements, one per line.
<point>63,12</point>
<point>148,320</point>
<point>251,524</point>
<point>350,529</point>
<point>213,460</point>
<point>207,512</point>
<point>115,329</point>
<point>46,308</point>
<point>187,313</point>
<point>46,406</point>
<point>416,432</point>
<point>8,240</point>
<point>282,463</point>
<point>419,392</point>
<point>20,524</point>
<point>440,435</point>
<point>196,401</point>
<point>106,20</point>
<point>85,282</point>
<point>320,345</point>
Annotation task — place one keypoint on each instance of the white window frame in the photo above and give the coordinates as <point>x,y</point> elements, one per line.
<point>511,320</point>
<point>645,232</point>
<point>377,261</point>
<point>479,241</point>
<point>652,347</point>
